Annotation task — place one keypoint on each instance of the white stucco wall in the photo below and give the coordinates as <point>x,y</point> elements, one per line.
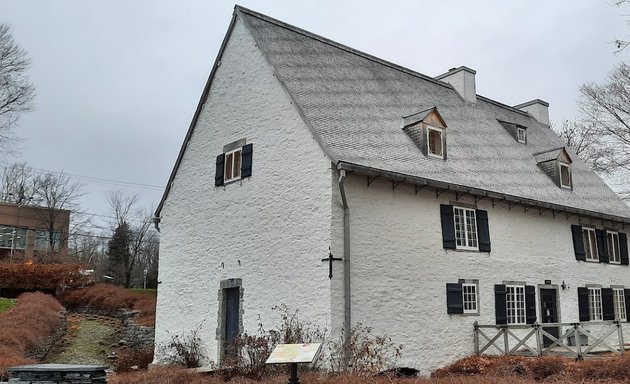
<point>270,230</point>
<point>400,269</point>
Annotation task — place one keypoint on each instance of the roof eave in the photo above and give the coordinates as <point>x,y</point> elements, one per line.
<point>416,180</point>
<point>193,122</point>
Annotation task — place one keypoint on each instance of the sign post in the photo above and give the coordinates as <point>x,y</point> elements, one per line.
<point>294,354</point>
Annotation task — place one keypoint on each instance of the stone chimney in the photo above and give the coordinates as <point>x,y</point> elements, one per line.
<point>463,80</point>
<point>539,109</point>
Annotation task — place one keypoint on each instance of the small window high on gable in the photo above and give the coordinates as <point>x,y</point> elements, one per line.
<point>518,132</point>
<point>556,163</point>
<point>427,130</point>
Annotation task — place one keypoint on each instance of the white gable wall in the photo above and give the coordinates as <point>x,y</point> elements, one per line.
<point>270,230</point>
<point>400,268</point>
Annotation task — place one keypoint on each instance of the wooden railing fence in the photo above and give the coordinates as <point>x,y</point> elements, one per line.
<point>504,339</point>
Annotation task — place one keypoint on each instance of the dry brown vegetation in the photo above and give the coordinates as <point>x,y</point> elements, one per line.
<point>26,326</point>
<point>112,298</point>
<point>41,276</point>
<point>470,370</point>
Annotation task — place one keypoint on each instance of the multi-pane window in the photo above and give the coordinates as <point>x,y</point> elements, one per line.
<point>619,302</point>
<point>12,237</point>
<point>469,293</point>
<point>43,241</point>
<point>565,176</point>
<point>613,247</point>
<point>232,165</point>
<point>465,228</point>
<point>595,304</point>
<point>521,135</point>
<point>435,143</point>
<point>515,304</point>
<point>590,244</point>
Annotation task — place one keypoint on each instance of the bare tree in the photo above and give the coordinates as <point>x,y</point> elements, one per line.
<point>16,184</point>
<point>602,135</point>
<point>55,193</point>
<point>131,233</point>
<point>16,91</point>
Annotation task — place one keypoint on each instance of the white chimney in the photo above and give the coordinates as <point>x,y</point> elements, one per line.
<point>539,109</point>
<point>463,80</point>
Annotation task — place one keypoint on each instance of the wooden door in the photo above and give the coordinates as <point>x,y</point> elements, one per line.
<point>549,312</point>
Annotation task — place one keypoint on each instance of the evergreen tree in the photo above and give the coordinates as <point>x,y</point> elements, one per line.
<point>120,256</point>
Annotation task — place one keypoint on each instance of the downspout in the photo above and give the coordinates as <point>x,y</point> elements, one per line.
<point>347,324</point>
<point>156,223</point>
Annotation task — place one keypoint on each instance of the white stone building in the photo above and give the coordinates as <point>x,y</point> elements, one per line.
<point>446,207</point>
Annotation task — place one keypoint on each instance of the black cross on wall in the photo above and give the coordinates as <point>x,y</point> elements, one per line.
<point>330,260</point>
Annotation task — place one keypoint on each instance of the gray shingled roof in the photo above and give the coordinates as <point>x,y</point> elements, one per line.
<point>355,104</point>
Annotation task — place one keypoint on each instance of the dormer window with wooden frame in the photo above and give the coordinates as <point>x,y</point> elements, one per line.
<point>565,175</point>
<point>435,142</point>
<point>521,135</point>
<point>427,130</point>
<point>556,163</point>
<point>518,132</point>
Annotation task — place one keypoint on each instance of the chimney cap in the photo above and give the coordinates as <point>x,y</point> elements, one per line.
<point>532,102</point>
<point>455,70</point>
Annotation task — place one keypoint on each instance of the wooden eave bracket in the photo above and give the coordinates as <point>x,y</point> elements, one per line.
<point>370,179</point>
<point>395,184</point>
<point>438,192</point>
<point>459,195</point>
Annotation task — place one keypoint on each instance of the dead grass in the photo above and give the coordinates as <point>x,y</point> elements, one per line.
<point>112,298</point>
<point>26,326</point>
<point>470,370</point>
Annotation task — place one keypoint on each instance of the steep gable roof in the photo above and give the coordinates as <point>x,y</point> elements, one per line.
<point>355,104</point>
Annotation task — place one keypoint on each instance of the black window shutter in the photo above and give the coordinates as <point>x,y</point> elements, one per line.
<point>623,248</point>
<point>454,299</point>
<point>626,294</point>
<point>448,226</point>
<point>483,231</point>
<point>246,160</point>
<point>530,304</point>
<point>218,176</point>
<point>583,304</point>
<point>608,307</point>
<point>578,242</point>
<point>500,307</point>
<point>602,245</point>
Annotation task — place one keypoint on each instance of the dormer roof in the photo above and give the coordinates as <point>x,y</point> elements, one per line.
<point>559,154</point>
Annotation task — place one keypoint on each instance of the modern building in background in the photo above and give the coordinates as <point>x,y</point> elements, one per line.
<point>25,233</point>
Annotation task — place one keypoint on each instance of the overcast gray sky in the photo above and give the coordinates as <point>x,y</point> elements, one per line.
<point>118,81</point>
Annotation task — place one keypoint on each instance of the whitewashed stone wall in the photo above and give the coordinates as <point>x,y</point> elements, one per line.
<point>400,269</point>
<point>270,230</point>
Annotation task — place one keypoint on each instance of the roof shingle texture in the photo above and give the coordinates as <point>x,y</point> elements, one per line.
<point>356,104</point>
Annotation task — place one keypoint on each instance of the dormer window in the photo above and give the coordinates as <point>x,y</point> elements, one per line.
<point>556,163</point>
<point>565,175</point>
<point>427,130</point>
<point>518,132</point>
<point>522,135</point>
<point>435,142</point>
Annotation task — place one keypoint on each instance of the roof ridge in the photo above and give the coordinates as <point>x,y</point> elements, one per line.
<point>502,105</point>
<point>282,24</point>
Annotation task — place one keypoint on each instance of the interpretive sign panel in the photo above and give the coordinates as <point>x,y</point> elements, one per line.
<point>294,353</point>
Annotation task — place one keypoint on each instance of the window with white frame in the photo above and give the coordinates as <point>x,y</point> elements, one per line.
<point>469,293</point>
<point>515,304</point>
<point>613,247</point>
<point>565,175</point>
<point>590,244</point>
<point>465,228</point>
<point>619,303</point>
<point>521,134</point>
<point>12,237</point>
<point>595,304</point>
<point>435,142</point>
<point>232,165</point>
